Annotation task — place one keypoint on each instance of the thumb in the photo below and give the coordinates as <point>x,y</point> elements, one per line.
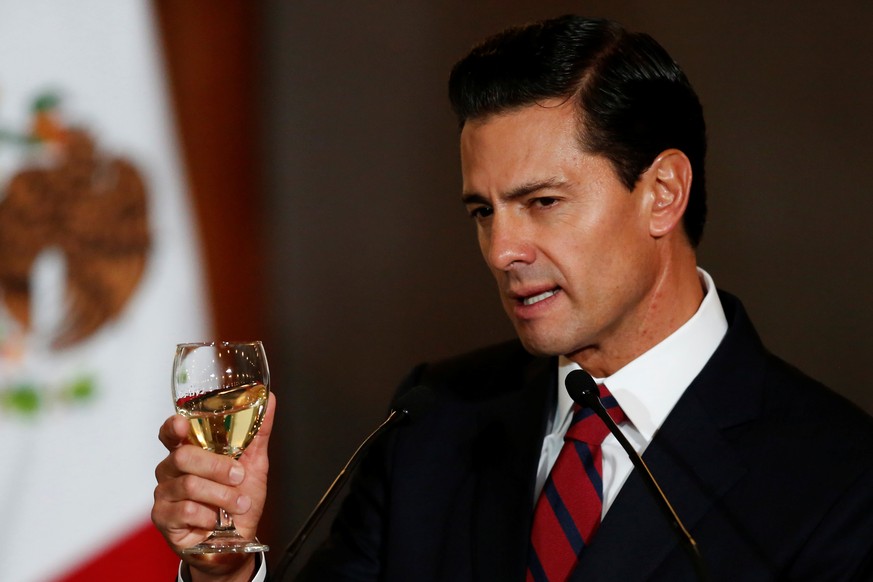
<point>258,446</point>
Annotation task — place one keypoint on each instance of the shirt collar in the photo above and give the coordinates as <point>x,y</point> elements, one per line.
<point>648,387</point>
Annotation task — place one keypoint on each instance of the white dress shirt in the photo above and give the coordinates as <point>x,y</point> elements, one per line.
<point>646,389</point>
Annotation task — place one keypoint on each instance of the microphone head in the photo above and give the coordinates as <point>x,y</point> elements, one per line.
<point>415,402</point>
<point>582,388</point>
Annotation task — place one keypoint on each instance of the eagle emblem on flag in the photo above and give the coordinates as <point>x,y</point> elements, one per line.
<point>71,198</point>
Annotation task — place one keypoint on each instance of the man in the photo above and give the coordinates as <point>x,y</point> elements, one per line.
<point>582,151</point>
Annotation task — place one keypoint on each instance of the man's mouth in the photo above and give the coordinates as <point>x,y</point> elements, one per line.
<point>539,297</point>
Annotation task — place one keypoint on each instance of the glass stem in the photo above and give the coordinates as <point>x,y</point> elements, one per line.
<point>224,522</point>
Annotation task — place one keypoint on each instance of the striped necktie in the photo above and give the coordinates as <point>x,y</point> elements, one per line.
<point>568,511</point>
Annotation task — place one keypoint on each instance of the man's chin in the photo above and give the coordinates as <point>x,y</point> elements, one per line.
<point>539,347</point>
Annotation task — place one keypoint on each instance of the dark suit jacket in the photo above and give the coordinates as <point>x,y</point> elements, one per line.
<point>770,471</point>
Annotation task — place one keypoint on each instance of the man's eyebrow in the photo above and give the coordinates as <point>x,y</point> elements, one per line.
<point>468,198</point>
<point>515,193</point>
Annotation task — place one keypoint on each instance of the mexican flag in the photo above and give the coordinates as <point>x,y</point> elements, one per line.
<point>99,279</point>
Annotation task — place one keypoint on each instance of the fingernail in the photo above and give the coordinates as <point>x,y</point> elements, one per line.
<point>243,503</point>
<point>236,475</point>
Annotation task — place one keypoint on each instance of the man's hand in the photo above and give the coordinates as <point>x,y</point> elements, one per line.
<point>193,483</point>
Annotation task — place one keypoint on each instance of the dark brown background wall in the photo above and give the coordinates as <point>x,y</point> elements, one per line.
<point>370,264</point>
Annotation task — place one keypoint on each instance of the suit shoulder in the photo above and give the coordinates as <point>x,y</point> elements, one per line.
<point>812,404</point>
<point>475,374</point>
<point>788,397</point>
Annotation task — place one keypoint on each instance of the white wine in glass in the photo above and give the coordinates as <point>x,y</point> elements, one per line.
<point>222,389</point>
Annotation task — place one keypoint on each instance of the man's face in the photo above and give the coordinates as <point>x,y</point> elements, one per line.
<point>568,244</point>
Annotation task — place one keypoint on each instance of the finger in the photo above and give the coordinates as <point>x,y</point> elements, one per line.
<point>177,519</point>
<point>174,432</point>
<point>191,459</point>
<point>200,491</point>
<point>175,465</point>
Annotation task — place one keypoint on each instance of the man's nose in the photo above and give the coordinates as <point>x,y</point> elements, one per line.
<point>508,244</point>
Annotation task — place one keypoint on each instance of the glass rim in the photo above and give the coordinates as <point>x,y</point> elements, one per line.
<point>220,343</point>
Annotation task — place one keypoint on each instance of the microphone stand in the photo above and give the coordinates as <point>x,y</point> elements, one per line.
<point>588,395</point>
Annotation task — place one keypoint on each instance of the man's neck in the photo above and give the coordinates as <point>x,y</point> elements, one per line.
<point>673,300</point>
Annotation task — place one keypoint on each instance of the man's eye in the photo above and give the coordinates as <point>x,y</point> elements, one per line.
<point>544,201</point>
<point>480,212</point>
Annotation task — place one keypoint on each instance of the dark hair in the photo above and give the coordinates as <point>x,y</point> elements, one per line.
<point>634,100</point>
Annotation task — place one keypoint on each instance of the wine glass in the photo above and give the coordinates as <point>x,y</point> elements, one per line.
<point>222,389</point>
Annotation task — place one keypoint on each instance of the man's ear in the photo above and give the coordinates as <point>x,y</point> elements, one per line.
<point>669,184</point>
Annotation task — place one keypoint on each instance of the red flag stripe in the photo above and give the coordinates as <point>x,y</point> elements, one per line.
<point>143,556</point>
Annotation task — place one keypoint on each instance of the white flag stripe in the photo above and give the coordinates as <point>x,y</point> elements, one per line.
<point>78,478</point>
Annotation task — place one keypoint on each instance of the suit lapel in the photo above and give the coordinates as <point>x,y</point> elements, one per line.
<point>506,458</point>
<point>635,537</point>
<point>690,457</point>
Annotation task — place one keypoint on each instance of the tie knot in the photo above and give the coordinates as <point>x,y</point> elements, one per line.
<point>587,426</point>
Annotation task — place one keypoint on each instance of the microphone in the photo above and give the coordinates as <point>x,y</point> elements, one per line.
<point>410,405</point>
<point>584,392</point>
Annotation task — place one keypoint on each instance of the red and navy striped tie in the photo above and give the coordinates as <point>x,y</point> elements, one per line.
<point>568,511</point>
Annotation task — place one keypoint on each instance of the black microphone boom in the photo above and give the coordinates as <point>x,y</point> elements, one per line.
<point>410,405</point>
<point>584,392</point>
